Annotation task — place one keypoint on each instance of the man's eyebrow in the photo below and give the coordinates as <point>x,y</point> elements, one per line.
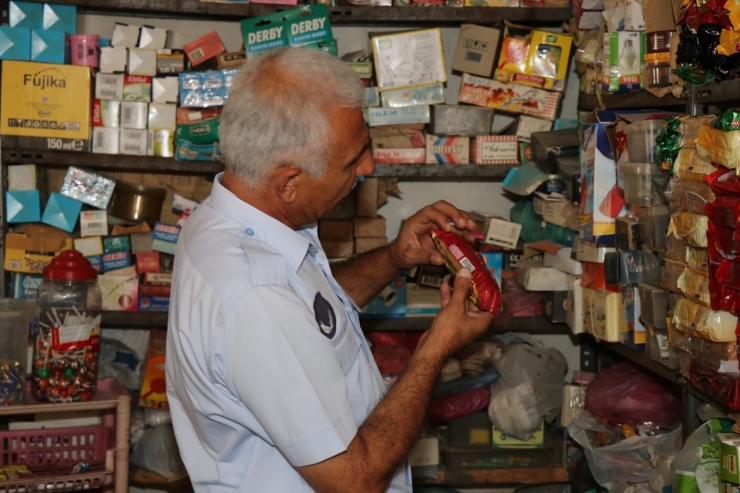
<point>368,142</point>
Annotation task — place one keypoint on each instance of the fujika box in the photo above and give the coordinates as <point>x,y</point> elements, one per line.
<point>534,58</point>
<point>513,98</point>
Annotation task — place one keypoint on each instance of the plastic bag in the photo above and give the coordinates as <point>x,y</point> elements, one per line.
<point>723,210</point>
<point>695,285</point>
<point>458,406</point>
<point>723,242</point>
<point>689,196</point>
<point>724,181</point>
<point>625,394</point>
<point>719,146</point>
<point>698,462</point>
<point>691,227</point>
<point>157,452</point>
<point>516,298</point>
<point>466,383</point>
<point>700,321</point>
<point>119,361</point>
<point>720,356</point>
<point>722,386</point>
<point>628,460</point>
<point>689,166</point>
<point>391,360</point>
<point>530,386</point>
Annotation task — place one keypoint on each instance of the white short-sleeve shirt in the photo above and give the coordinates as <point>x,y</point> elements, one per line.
<point>267,368</point>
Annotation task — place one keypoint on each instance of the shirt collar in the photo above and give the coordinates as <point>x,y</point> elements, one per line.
<point>291,244</point>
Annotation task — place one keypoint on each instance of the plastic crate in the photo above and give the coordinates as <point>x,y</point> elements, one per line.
<point>66,445</point>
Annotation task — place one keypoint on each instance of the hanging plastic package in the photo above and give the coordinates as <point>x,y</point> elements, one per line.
<point>724,181</point>
<point>691,227</point>
<point>689,166</point>
<point>723,241</point>
<point>696,467</point>
<point>700,321</point>
<point>689,196</point>
<point>720,356</point>
<point>720,141</point>
<point>695,285</point>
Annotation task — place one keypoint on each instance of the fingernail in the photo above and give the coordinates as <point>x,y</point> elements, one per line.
<point>471,223</point>
<point>464,273</point>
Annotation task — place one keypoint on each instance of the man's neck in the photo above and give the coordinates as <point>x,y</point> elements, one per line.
<point>258,198</point>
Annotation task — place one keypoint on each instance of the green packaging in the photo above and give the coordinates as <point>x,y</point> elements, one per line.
<point>116,244</point>
<point>727,121</point>
<point>625,52</point>
<point>307,26</point>
<point>205,132</point>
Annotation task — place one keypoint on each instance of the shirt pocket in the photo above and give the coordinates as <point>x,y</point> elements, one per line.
<point>345,343</point>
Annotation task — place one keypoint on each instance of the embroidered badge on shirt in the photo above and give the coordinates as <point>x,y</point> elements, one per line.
<point>325,316</point>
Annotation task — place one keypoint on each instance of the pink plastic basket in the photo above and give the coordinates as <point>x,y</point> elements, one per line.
<point>48,446</point>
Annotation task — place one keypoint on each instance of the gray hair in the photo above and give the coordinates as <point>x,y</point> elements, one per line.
<point>277,112</point>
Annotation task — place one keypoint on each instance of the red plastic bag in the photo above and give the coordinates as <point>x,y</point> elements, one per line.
<point>723,241</point>
<point>724,181</point>
<point>406,339</point>
<point>721,297</point>
<point>457,254</point>
<point>391,360</point>
<point>626,394</point>
<point>722,386</point>
<point>723,211</point>
<point>459,405</point>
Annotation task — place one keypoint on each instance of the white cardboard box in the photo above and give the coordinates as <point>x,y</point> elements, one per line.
<point>561,261</point>
<point>113,59</point>
<point>94,223</point>
<point>134,142</point>
<point>154,38</point>
<point>574,310</point>
<point>90,246</point>
<point>109,87</point>
<point>106,140</point>
<point>134,115</point>
<point>125,35</point>
<point>534,276</point>
<point>142,61</point>
<point>529,125</point>
<point>162,115</point>
<point>22,177</point>
<point>165,90</point>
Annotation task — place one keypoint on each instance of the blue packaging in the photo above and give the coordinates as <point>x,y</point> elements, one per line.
<point>154,303</point>
<point>187,151</point>
<point>25,286</point>
<point>97,262</point>
<point>165,238</point>
<point>26,14</point>
<point>48,46</point>
<point>205,89</point>
<point>23,206</point>
<point>15,43</point>
<point>495,263</point>
<point>389,303</point>
<point>115,260</point>
<point>61,212</point>
<point>60,18</point>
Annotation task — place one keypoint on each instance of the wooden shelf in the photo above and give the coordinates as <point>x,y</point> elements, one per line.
<point>498,477</point>
<point>446,171</point>
<point>338,15</point>
<point>632,100</point>
<point>642,358</point>
<point>134,320</point>
<point>531,325</point>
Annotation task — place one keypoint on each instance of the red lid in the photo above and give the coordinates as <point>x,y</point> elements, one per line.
<point>70,265</point>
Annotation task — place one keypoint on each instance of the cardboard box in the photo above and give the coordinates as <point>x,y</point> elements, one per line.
<point>528,125</point>
<point>153,389</point>
<point>26,14</point>
<point>89,247</point>
<point>106,140</point>
<point>141,242</point>
<point>235,59</point>
<point>61,212</point>
<point>625,51</point>
<point>574,403</point>
<point>495,149</point>
<point>399,156</point>
<point>23,206</point>
<point>154,38</point>
<point>115,261</point>
<point>165,90</point>
<point>447,150</point>
<point>183,205</point>
<point>424,458</point>
<point>134,142</point>
<point>369,227</point>
<point>549,147</point>
<point>602,315</point>
<point>31,247</point>
<point>413,96</point>
<point>513,98</point>
<point>154,304</point>
<point>367,198</point>
<point>476,50</point>
<point>137,88</point>
<point>147,262</point>
<point>64,92</point>
<point>113,59</point>
<point>534,58</point>
<point>422,302</point>
<point>114,244</point>
<point>633,18</point>
<point>336,229</point>
<point>496,231</point>
<point>658,15</point>
<point>106,113</point>
<point>729,446</point>
<point>27,177</point>
<point>307,26</point>
<point>556,305</point>
<point>204,48</point>
<point>338,249</point>
<point>48,46</point>
<point>165,238</point>
<point>363,245</point>
<point>158,278</point>
<point>460,120</point>
<point>125,36</point>
<point>170,62</point>
<point>574,305</point>
<point>398,116</point>
<point>372,97</point>
<point>109,87</point>
<point>556,209</point>
<point>134,115</point>
<point>600,200</point>
<point>389,303</point>
<point>420,53</point>
<point>60,18</point>
<point>635,337</point>
<point>627,233</point>
<point>93,223</point>
<point>120,293</point>
<point>534,276</point>
<point>504,441</point>
<point>25,286</point>
<point>162,115</point>
<point>142,61</point>
<point>586,251</point>
<point>396,138</point>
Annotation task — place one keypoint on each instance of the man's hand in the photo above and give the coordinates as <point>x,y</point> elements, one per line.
<point>459,322</point>
<point>414,246</point>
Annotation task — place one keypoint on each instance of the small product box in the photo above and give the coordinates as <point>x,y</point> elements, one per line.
<point>48,46</point>
<point>153,389</point>
<point>556,209</point>
<point>106,140</point>
<point>204,48</point>
<point>154,304</point>
<point>389,303</point>
<point>113,59</point>
<point>93,223</point>
<point>165,238</point>
<point>534,58</point>
<point>120,292</point>
<point>23,206</point>
<point>413,96</point>
<point>109,87</point>
<point>460,120</point>
<point>27,177</point>
<point>134,115</point>
<point>476,50</point>
<point>495,149</point>
<point>307,26</point>
<point>495,263</point>
<point>15,43</point>
<point>162,123</point>
<point>528,125</point>
<point>89,247</point>
<point>147,262</point>
<point>165,90</point>
<point>419,53</point>
<point>113,244</point>
<point>399,156</point>
<point>502,233</point>
<point>170,62</point>
<point>115,260</point>
<point>625,52</point>
<point>729,447</point>
<point>513,98</point>
<point>141,242</point>
<point>142,61</point>
<point>30,247</point>
<point>60,18</point>
<point>25,286</point>
<point>106,113</point>
<point>88,187</point>
<point>26,14</point>
<point>372,97</point>
<point>235,59</point>
<point>398,116</point>
<point>447,150</point>
<point>504,441</point>
<point>134,142</point>
<point>97,263</point>
<point>137,88</point>
<point>154,38</point>
<point>61,212</point>
<point>125,36</point>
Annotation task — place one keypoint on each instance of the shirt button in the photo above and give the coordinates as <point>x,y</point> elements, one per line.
<point>250,231</point>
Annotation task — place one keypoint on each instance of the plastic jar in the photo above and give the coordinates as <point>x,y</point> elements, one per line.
<point>658,59</point>
<point>65,353</point>
<point>641,140</point>
<point>15,319</point>
<point>642,183</point>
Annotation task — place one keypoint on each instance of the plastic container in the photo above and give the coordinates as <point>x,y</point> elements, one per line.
<point>653,225</point>
<point>643,184</point>
<point>654,305</point>
<point>84,49</point>
<point>65,365</point>
<point>137,203</point>
<point>15,320</point>
<point>641,140</point>
<point>658,348</point>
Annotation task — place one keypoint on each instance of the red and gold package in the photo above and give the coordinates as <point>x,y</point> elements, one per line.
<point>458,254</point>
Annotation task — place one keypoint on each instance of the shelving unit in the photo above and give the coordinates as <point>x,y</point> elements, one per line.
<point>498,477</point>
<point>639,99</point>
<point>531,325</point>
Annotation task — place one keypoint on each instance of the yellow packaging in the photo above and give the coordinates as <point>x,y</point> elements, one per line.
<point>719,146</point>
<point>729,40</point>
<point>701,321</point>
<point>31,247</point>
<point>46,106</point>
<point>502,440</point>
<point>602,315</point>
<point>695,285</point>
<point>154,389</point>
<point>697,258</point>
<point>540,60</point>
<point>691,227</point>
<point>689,166</point>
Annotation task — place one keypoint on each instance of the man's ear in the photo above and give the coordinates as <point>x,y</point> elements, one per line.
<point>287,182</point>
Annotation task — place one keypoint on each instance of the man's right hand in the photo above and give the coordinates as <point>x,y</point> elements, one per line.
<point>459,322</point>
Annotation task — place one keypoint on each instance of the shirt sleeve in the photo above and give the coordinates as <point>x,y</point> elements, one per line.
<point>277,362</point>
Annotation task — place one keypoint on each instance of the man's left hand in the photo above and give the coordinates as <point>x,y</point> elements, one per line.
<point>414,246</point>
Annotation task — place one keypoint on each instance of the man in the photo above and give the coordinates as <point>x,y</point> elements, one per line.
<point>271,385</point>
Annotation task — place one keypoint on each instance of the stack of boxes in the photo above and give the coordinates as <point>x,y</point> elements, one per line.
<point>37,32</point>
